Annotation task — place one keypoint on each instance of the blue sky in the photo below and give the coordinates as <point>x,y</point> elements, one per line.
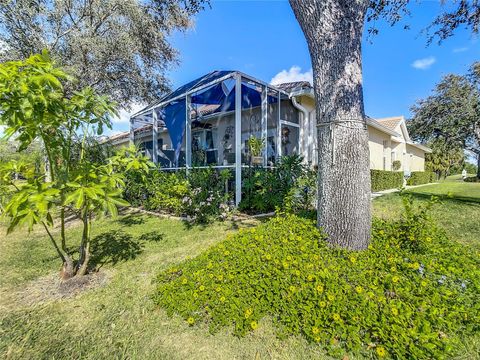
<point>262,38</point>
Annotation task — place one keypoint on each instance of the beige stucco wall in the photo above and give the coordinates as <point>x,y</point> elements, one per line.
<point>378,151</point>
<point>416,158</point>
<point>398,152</point>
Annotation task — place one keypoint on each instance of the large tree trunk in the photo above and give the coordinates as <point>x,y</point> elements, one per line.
<point>333,30</point>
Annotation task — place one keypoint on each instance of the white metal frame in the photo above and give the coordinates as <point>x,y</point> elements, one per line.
<point>239,77</point>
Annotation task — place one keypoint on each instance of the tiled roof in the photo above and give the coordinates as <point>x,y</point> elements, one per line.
<point>205,109</point>
<point>390,122</point>
<point>291,86</point>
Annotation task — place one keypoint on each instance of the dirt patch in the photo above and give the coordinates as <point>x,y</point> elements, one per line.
<point>51,287</point>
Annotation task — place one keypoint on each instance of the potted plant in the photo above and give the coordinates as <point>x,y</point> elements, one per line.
<point>256,146</point>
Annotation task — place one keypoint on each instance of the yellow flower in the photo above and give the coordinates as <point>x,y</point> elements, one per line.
<point>211,276</point>
<point>184,281</point>
<point>268,257</point>
<point>394,311</point>
<point>395,279</point>
<point>222,299</point>
<point>315,330</point>
<point>292,288</point>
<point>336,317</point>
<point>310,277</point>
<point>381,351</point>
<point>322,304</point>
<point>226,253</point>
<point>248,312</point>
<point>191,321</point>
<point>253,325</point>
<point>424,283</point>
<point>220,277</point>
<point>285,265</point>
<point>393,269</point>
<point>201,288</point>
<point>331,297</point>
<point>359,289</point>
<point>210,265</point>
<point>317,339</point>
<point>195,295</point>
<point>416,265</point>
<point>289,258</point>
<point>297,272</point>
<point>320,288</point>
<point>218,289</point>
<point>353,259</point>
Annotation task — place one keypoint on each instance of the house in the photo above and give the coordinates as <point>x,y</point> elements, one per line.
<point>214,111</point>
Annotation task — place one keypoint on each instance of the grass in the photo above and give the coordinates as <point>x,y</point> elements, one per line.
<point>119,320</point>
<point>458,212</point>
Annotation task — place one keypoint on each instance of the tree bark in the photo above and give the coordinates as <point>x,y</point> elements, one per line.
<point>478,165</point>
<point>333,30</point>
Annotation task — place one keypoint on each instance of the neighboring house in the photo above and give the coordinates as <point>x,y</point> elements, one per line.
<point>226,108</point>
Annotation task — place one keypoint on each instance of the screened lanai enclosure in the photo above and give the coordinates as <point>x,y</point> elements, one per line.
<point>210,122</point>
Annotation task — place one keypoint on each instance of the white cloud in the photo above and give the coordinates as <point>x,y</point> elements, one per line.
<point>293,74</point>
<point>124,115</point>
<point>425,63</point>
<point>459,50</point>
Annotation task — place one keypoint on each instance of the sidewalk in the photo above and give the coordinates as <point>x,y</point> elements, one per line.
<point>389,191</point>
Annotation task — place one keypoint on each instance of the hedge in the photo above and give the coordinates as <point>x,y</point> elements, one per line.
<point>384,180</point>
<point>421,177</point>
<point>472,179</point>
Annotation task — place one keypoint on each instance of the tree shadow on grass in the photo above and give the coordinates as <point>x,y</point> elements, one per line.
<point>132,219</point>
<point>113,247</point>
<point>445,197</point>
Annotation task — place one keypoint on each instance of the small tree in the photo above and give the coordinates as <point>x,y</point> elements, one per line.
<point>443,158</point>
<point>33,106</point>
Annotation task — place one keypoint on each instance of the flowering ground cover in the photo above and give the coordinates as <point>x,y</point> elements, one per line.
<point>413,294</point>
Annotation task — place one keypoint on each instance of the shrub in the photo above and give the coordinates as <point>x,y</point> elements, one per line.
<point>472,179</point>
<point>200,195</point>
<point>261,191</point>
<point>413,294</point>
<point>166,192</point>
<point>265,190</point>
<point>302,197</point>
<point>421,177</point>
<point>384,180</point>
<point>208,198</point>
<point>396,165</point>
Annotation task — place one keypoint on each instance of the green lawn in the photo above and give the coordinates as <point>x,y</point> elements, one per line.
<point>118,319</point>
<point>458,212</point>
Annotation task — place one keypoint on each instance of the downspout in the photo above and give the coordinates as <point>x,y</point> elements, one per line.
<point>306,122</point>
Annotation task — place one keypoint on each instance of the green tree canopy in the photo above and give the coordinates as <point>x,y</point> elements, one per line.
<point>451,114</point>
<point>119,48</point>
